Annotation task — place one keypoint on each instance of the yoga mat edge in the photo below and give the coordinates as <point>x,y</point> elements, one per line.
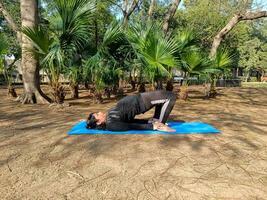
<point>180,127</point>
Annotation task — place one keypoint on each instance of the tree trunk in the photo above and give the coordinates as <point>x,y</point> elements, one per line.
<point>183,94</point>
<point>121,83</point>
<point>58,93</point>
<point>151,9</point>
<point>247,76</point>
<point>169,86</point>
<point>230,25</point>
<point>12,91</point>
<point>125,19</point>
<point>98,98</point>
<point>142,88</point>
<point>213,91</point>
<point>86,85</point>
<point>127,12</point>
<point>29,65</point>
<point>133,85</point>
<point>114,89</point>
<point>132,82</point>
<point>170,15</point>
<point>75,91</point>
<point>108,92</point>
<point>159,85</point>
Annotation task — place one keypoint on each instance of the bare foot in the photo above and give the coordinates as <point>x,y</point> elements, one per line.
<point>166,129</point>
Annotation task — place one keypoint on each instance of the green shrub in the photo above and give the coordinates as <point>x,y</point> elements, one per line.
<point>253,79</point>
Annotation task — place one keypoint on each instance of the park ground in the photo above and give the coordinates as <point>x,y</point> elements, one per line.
<point>38,160</point>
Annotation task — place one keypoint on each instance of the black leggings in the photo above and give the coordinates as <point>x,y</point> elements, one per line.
<point>163,101</point>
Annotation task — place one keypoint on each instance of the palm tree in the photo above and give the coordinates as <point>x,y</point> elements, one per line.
<point>29,65</point>
<point>102,68</point>
<point>57,45</point>
<point>154,52</point>
<point>220,63</point>
<point>192,63</point>
<point>74,75</point>
<point>186,44</point>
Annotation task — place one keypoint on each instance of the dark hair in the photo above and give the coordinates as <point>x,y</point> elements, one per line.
<point>91,123</point>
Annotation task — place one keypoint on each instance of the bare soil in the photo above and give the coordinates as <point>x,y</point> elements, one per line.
<point>38,160</point>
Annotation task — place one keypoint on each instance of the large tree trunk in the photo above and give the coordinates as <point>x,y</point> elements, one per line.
<point>170,15</point>
<point>230,25</point>
<point>29,65</point>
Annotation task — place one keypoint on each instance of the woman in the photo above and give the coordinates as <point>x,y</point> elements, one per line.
<point>122,116</point>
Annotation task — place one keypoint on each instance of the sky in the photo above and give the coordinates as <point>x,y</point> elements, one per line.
<point>261,3</point>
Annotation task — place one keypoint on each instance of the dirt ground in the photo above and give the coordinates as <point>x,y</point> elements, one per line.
<point>38,160</point>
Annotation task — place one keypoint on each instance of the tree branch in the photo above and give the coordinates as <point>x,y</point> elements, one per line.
<point>253,15</point>
<point>132,8</point>
<point>119,6</point>
<point>170,15</point>
<point>127,13</point>
<point>10,21</point>
<point>125,5</point>
<point>231,24</point>
<point>151,8</point>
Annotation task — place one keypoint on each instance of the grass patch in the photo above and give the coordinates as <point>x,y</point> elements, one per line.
<point>254,84</point>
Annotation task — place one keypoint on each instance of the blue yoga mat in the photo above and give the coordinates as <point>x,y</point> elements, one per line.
<point>180,127</point>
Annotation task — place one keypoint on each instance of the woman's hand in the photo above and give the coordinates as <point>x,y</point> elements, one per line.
<point>162,127</point>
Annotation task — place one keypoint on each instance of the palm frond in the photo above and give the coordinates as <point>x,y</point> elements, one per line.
<point>112,34</point>
<point>39,38</point>
<point>74,74</point>
<point>185,39</point>
<point>73,17</point>
<point>223,59</point>
<point>151,47</point>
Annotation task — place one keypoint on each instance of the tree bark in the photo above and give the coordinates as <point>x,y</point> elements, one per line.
<point>142,87</point>
<point>124,8</point>
<point>12,91</point>
<point>159,84</point>
<point>75,91</point>
<point>169,85</point>
<point>151,9</point>
<point>86,85</point>
<point>10,21</point>
<point>127,12</point>
<point>29,65</point>
<point>231,24</point>
<point>170,15</point>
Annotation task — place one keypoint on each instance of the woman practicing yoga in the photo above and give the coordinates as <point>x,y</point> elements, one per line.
<point>122,116</point>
